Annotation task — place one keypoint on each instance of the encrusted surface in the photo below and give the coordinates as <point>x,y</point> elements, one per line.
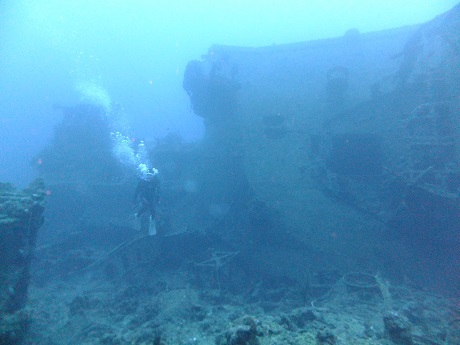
<point>21,214</point>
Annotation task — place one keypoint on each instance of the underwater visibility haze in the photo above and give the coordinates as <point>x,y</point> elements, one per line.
<point>134,54</point>
<point>229,172</point>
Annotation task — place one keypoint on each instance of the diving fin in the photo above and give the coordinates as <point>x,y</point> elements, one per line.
<point>152,226</point>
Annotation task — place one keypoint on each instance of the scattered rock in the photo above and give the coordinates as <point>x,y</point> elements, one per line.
<point>302,316</point>
<point>398,329</point>
<point>245,334</point>
<point>326,337</point>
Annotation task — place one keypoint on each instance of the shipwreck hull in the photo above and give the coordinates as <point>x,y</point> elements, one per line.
<point>337,135</point>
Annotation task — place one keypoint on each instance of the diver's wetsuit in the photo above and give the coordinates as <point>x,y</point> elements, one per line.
<point>148,192</point>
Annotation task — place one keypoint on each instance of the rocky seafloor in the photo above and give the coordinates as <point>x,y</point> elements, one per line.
<point>146,300</point>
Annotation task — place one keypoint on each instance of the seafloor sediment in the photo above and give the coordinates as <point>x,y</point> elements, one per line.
<point>149,298</point>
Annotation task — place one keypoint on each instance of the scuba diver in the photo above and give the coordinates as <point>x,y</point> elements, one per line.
<point>148,194</point>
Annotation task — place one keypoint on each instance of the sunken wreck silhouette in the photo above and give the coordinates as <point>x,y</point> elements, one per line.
<point>324,162</point>
<point>339,135</point>
<point>339,155</point>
